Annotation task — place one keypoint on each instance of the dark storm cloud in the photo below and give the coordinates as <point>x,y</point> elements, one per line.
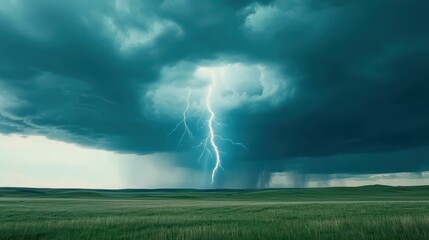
<point>73,71</point>
<point>67,74</point>
<point>360,70</point>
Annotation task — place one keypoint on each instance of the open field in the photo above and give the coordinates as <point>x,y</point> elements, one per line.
<point>372,212</point>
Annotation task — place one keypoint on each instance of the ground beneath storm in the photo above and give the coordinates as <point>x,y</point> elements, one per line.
<point>370,212</point>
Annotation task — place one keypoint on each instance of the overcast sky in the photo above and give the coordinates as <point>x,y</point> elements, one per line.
<point>298,93</point>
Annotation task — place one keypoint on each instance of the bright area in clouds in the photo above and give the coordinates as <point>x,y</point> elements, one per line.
<point>253,86</point>
<point>134,37</point>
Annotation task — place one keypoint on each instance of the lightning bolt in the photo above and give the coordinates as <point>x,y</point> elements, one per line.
<point>212,135</point>
<point>232,142</point>
<point>209,143</point>
<point>183,122</point>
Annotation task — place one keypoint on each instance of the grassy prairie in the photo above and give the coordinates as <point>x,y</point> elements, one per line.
<point>373,212</point>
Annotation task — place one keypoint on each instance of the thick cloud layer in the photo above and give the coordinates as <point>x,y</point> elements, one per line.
<point>356,77</point>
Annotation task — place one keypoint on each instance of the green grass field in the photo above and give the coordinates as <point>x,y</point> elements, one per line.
<point>372,212</point>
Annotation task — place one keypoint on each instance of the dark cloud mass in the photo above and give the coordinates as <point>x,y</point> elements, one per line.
<point>78,71</point>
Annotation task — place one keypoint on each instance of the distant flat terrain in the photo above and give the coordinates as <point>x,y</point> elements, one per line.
<point>370,212</point>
